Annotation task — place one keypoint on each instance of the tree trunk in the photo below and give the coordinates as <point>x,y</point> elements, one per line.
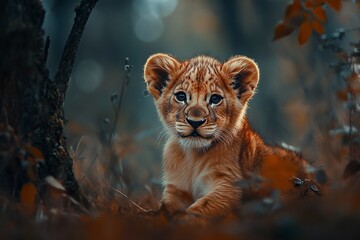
<point>31,104</point>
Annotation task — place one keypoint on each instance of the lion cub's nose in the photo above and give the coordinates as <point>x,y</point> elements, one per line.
<point>195,124</point>
<point>195,117</point>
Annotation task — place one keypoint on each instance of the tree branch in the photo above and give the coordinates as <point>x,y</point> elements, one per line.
<point>62,76</point>
<point>58,155</point>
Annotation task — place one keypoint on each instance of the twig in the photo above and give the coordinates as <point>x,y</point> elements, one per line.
<point>124,195</point>
<point>62,76</point>
<point>56,95</point>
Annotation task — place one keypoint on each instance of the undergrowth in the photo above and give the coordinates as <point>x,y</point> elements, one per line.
<point>123,208</point>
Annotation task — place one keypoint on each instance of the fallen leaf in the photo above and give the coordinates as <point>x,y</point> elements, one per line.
<point>28,196</point>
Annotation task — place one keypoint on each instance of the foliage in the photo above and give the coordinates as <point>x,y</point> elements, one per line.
<point>306,17</point>
<point>104,168</point>
<point>114,215</point>
<point>346,68</point>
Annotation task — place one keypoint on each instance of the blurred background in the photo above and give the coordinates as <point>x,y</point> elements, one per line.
<point>295,101</point>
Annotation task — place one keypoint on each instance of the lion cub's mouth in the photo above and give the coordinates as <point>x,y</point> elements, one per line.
<point>186,132</point>
<point>195,134</point>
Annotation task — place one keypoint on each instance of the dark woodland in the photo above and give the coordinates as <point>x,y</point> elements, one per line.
<point>81,143</point>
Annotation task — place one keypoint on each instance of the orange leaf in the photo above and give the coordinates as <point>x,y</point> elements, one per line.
<point>342,95</point>
<point>292,9</point>
<point>334,4</point>
<point>34,151</point>
<point>308,4</point>
<point>313,3</point>
<point>304,32</point>
<point>318,27</point>
<point>298,19</point>
<point>28,195</point>
<point>282,30</point>
<point>353,82</point>
<point>320,13</point>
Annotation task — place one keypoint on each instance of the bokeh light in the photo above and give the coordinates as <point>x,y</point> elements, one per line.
<point>88,76</point>
<point>149,30</point>
<point>149,16</point>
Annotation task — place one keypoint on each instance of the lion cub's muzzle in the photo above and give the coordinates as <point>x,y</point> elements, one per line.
<point>196,117</point>
<point>195,129</point>
<point>195,125</point>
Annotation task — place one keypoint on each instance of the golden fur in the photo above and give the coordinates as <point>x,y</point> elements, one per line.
<point>203,165</point>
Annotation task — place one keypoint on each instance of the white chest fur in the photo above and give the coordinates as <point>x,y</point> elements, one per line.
<point>190,174</point>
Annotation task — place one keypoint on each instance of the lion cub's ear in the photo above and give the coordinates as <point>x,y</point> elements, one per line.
<point>243,76</point>
<point>158,71</point>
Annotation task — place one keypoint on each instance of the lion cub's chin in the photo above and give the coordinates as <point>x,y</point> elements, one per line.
<point>195,142</point>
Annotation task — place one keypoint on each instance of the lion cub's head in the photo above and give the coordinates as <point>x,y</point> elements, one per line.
<point>201,101</point>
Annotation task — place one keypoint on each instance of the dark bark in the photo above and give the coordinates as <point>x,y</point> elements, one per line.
<point>31,104</point>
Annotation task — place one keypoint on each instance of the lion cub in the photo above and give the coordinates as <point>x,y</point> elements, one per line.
<point>211,147</point>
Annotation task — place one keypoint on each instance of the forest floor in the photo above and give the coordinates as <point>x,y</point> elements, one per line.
<point>335,215</point>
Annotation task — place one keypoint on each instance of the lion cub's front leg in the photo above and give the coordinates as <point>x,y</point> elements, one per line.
<point>175,200</point>
<point>219,201</point>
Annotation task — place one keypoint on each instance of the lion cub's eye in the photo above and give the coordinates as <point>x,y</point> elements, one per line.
<point>215,99</point>
<point>180,96</point>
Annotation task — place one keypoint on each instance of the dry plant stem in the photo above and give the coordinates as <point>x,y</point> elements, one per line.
<point>117,109</point>
<point>115,166</point>
<point>124,195</point>
<point>351,110</point>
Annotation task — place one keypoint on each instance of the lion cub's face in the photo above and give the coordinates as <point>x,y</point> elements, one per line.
<point>201,101</point>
